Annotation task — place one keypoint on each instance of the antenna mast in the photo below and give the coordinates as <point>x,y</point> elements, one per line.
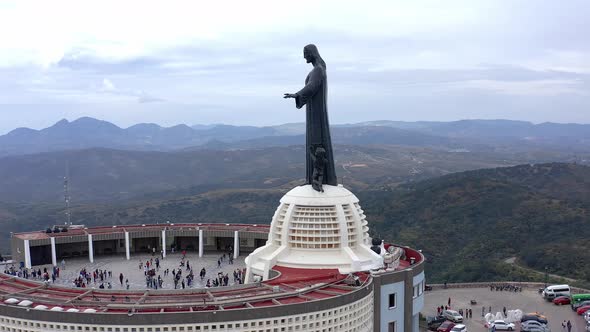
<point>67,194</point>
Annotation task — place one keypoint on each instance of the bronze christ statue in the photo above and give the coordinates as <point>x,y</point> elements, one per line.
<point>319,159</point>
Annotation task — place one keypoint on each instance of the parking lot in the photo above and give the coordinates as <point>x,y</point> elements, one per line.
<point>529,300</point>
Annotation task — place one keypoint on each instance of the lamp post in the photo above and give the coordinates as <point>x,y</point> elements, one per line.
<point>546,275</point>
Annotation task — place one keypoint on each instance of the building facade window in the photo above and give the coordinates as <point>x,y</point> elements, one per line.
<point>391,327</point>
<point>392,300</point>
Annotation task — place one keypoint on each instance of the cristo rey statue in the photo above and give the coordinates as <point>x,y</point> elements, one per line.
<point>319,159</point>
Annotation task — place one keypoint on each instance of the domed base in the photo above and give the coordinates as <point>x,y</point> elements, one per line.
<point>316,230</point>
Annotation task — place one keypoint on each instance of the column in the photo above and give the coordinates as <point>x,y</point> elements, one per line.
<point>236,245</point>
<point>27,255</point>
<point>53,252</point>
<point>127,245</point>
<point>90,249</point>
<point>201,240</point>
<point>164,243</point>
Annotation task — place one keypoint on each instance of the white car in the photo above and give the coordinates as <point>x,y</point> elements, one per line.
<point>587,316</point>
<point>459,328</point>
<point>533,325</point>
<point>453,316</point>
<point>501,325</point>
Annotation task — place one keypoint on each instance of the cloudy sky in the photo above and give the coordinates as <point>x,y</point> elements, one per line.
<point>192,62</point>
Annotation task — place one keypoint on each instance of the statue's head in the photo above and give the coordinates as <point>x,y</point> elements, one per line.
<point>311,54</point>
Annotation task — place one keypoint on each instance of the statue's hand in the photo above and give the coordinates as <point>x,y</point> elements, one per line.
<point>290,95</point>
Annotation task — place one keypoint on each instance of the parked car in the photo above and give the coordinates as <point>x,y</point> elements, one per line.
<point>575,306</point>
<point>561,300</point>
<point>501,325</point>
<point>587,315</point>
<point>539,329</point>
<point>434,322</point>
<point>459,328</point>
<point>554,291</point>
<point>534,316</point>
<point>446,326</point>
<point>453,316</point>
<point>427,287</point>
<point>582,310</point>
<point>533,326</point>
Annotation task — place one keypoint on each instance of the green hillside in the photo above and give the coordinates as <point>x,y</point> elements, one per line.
<point>467,223</point>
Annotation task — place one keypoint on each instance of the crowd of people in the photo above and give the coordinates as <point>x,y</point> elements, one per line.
<point>85,278</point>
<point>504,287</point>
<point>155,275</point>
<point>32,273</point>
<point>184,277</point>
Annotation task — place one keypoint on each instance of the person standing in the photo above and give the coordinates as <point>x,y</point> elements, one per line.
<point>569,326</point>
<point>121,278</point>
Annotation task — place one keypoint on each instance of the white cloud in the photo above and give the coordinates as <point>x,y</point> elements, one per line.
<point>381,55</point>
<point>562,60</point>
<point>107,85</point>
<point>126,29</point>
<point>546,87</point>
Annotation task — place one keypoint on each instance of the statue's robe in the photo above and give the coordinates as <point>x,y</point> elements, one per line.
<point>314,97</point>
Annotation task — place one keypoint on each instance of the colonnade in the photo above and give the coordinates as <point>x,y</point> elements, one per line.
<point>236,247</point>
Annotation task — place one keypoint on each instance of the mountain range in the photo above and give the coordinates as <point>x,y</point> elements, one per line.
<point>465,134</point>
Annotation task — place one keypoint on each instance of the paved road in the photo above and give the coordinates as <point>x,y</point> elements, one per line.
<point>512,261</point>
<point>528,301</point>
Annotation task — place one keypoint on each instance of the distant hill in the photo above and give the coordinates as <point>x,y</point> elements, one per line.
<point>466,223</point>
<point>491,128</point>
<point>481,135</point>
<point>107,175</point>
<point>359,135</point>
<point>88,133</point>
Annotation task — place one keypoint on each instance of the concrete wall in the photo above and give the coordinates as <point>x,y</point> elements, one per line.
<point>418,302</point>
<point>363,295</point>
<point>392,314</point>
<point>17,248</point>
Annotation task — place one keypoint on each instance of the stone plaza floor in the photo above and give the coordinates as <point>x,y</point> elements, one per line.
<point>137,280</point>
<point>528,300</point>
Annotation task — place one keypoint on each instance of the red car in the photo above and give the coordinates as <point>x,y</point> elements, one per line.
<point>561,300</point>
<point>446,326</point>
<point>582,310</point>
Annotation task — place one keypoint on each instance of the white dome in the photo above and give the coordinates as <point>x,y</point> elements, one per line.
<point>319,230</point>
